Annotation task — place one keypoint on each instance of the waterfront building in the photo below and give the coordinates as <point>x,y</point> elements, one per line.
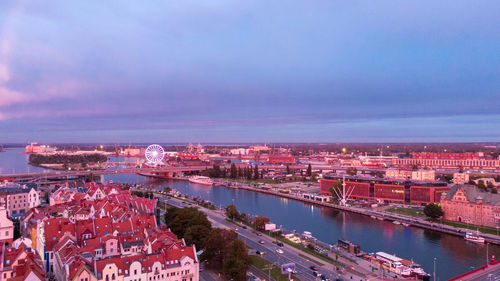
<point>468,204</point>
<point>460,178</point>
<point>421,175</point>
<point>448,161</point>
<point>35,148</point>
<point>387,191</point>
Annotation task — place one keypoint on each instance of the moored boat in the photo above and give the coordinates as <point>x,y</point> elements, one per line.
<point>403,267</point>
<point>396,222</point>
<point>470,236</point>
<point>201,180</point>
<point>406,224</point>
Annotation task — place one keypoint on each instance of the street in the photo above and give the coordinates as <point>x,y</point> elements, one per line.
<point>290,255</point>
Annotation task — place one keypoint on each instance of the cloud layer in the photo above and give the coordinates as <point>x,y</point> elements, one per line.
<point>250,71</point>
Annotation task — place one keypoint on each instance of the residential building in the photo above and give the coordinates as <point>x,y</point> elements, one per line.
<point>20,199</point>
<point>468,204</point>
<point>6,228</point>
<point>460,178</point>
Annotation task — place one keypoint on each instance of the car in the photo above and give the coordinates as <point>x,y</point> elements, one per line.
<point>261,242</point>
<point>260,253</point>
<point>324,277</point>
<point>316,274</point>
<point>259,234</point>
<point>280,244</point>
<point>235,229</point>
<point>244,227</point>
<point>279,251</point>
<point>313,267</point>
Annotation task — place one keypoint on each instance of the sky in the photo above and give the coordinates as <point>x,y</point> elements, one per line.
<point>249,71</point>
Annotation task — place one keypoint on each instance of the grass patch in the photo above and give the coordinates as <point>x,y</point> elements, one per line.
<point>307,258</point>
<point>471,227</point>
<point>407,211</point>
<point>311,252</point>
<point>261,264</point>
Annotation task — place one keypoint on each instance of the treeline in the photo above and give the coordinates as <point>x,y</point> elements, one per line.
<point>221,248</point>
<point>37,159</point>
<point>143,194</point>
<point>248,172</point>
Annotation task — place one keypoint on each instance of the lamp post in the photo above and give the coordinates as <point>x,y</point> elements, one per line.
<point>434,269</point>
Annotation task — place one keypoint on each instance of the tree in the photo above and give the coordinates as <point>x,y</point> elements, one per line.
<point>234,171</point>
<point>288,171</point>
<point>249,173</point>
<point>260,222</point>
<point>17,229</point>
<point>309,170</point>
<point>197,235</point>
<point>433,211</point>
<point>216,246</point>
<point>240,172</point>
<point>236,261</point>
<point>179,220</point>
<point>352,171</point>
<point>46,197</point>
<point>167,189</point>
<point>256,172</point>
<point>490,185</point>
<point>336,188</point>
<point>480,185</point>
<point>232,212</point>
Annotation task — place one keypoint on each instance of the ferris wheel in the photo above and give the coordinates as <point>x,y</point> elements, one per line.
<point>154,153</point>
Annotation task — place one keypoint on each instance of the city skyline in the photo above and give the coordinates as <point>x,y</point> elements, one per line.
<point>229,72</point>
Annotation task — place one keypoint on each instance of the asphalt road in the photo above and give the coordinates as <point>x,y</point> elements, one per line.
<point>290,255</point>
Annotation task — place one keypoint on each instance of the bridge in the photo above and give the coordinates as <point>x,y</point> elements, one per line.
<point>34,177</point>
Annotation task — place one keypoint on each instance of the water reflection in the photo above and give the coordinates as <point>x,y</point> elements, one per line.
<point>454,255</point>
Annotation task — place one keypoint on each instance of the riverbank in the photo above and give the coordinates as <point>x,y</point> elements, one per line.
<point>412,221</point>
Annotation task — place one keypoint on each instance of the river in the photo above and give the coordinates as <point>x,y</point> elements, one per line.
<point>453,254</point>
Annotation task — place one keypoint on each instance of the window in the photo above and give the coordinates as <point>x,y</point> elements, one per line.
<point>113,277</point>
<point>107,277</point>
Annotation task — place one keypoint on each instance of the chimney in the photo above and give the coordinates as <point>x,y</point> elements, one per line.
<point>67,270</point>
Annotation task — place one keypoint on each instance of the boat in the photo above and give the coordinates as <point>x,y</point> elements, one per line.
<point>470,236</point>
<point>400,266</point>
<point>396,222</point>
<point>373,217</point>
<point>307,235</point>
<point>380,218</point>
<point>201,180</point>
<point>406,224</point>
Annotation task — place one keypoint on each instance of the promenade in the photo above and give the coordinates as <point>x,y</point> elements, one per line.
<point>417,222</point>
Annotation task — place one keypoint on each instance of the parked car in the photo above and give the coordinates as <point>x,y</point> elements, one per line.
<point>280,244</point>
<point>261,241</point>
<point>313,267</point>
<point>260,253</point>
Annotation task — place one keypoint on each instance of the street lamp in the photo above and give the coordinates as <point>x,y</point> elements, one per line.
<point>434,269</point>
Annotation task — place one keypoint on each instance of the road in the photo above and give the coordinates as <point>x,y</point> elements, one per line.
<point>290,255</point>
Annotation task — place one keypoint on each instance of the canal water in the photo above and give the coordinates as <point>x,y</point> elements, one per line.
<point>453,254</point>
